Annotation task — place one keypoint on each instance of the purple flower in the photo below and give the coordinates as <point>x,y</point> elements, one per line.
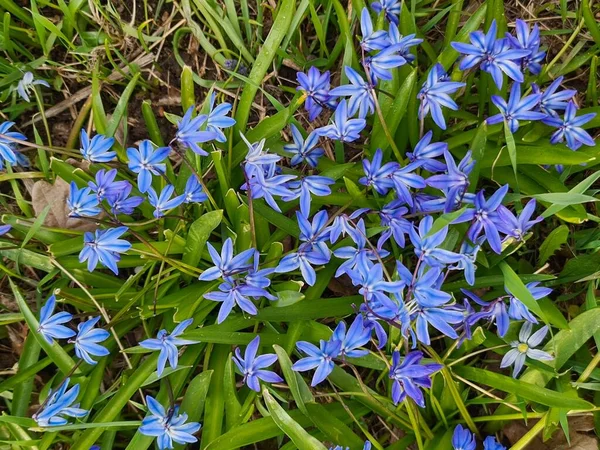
<point>51,325</point>
<point>371,40</point>
<point>570,129</point>
<point>495,56</point>
<point>357,336</point>
<point>146,162</point>
<point>226,265</point>
<point>524,348</point>
<point>304,150</point>
<point>167,345</point>
<point>392,216</point>
<point>530,41</point>
<point>516,227</point>
<point>319,358</point>
<point>494,311</point>
<point>316,89</point>
<point>104,246</point>
<point>252,367</point>
<point>455,181</point>
<point>343,128</point>
<point>232,293</point>
<point>189,134</point>
<point>485,218</point>
<point>361,100</point>
<point>163,202</point>
<point>391,9</point>
<point>516,109</point>
<point>552,101</point>
<point>410,376</point>
<point>122,203</point>
<point>425,152</point>
<point>435,94</point>
<point>377,176</point>
<point>463,439</point>
<point>105,185</point>
<point>81,202</point>
<point>97,148</point>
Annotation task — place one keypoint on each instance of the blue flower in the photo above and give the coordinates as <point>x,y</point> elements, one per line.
<point>361,100</point>
<point>570,129</point>
<point>552,101</point>
<point>217,118</point>
<point>60,403</point>
<point>312,184</point>
<point>7,146</point>
<point>391,9</point>
<point>5,229</point>
<point>434,94</point>
<point>189,134</point>
<point>257,156</point>
<point>371,40</point>
<point>50,326</point>
<point>167,345</point>
<point>463,439</point>
<point>358,255</point>
<point>252,367</point>
<point>86,342</point>
<point>104,246</point>
<point>485,218</point>
<point>343,127</point>
<point>455,181</point>
<point>81,202</point>
<point>232,293</point>
<point>146,162</point>
<point>105,185</point>
<point>468,256</point>
<point>372,284</point>
<point>193,191</point>
<point>530,41</point>
<point>425,152</point>
<point>319,358</point>
<point>403,43</point>
<point>379,65</point>
<point>98,148</point>
<point>169,426</point>
<point>304,150</point>
<point>392,216</point>
<point>426,244</point>
<point>404,179</point>
<point>494,311</point>
<point>357,336</point>
<point>122,203</point>
<point>27,83</point>
<point>163,202</point>
<point>516,109</point>
<point>490,443</point>
<point>525,347</point>
<point>226,265</point>
<point>517,227</point>
<point>410,376</point>
<point>316,89</point>
<point>267,187</point>
<point>494,55</point>
<point>517,309</point>
<point>377,176</point>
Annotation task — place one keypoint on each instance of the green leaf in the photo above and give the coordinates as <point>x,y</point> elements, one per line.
<point>289,426</point>
<point>552,243</point>
<point>564,199</point>
<point>521,388</point>
<point>198,234</point>
<point>300,391</point>
<point>121,108</point>
<point>514,284</point>
<point>335,429</point>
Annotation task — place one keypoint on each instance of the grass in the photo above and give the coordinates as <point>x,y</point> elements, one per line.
<point>130,70</point>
